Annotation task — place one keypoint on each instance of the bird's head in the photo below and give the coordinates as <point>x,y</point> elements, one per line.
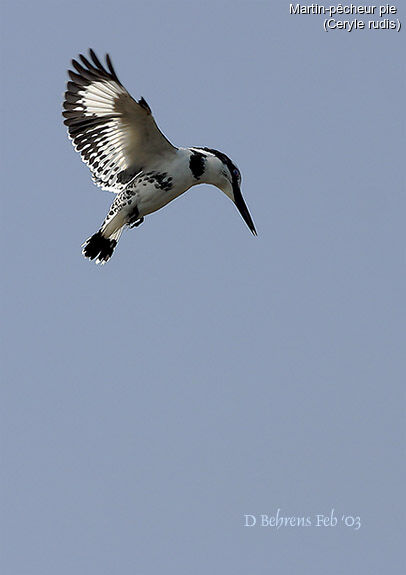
<point>223,173</point>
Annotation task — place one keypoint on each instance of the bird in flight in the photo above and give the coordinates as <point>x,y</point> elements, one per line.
<point>118,139</point>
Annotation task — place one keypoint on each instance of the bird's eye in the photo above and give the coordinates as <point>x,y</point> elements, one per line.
<point>236,173</point>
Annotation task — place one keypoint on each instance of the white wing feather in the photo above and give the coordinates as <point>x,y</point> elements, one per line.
<point>116,136</point>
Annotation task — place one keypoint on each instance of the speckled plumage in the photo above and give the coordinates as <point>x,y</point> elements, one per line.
<point>126,152</point>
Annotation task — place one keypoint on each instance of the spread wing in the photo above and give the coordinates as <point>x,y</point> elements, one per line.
<point>115,135</point>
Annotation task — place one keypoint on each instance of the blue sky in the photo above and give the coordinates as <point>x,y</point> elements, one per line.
<point>203,374</point>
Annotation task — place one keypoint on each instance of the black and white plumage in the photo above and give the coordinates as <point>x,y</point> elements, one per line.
<point>118,139</point>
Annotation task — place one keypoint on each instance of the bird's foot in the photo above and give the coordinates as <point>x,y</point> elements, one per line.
<point>135,224</point>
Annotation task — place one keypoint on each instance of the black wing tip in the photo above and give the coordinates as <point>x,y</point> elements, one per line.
<point>111,68</point>
<point>93,66</point>
<point>143,103</point>
<point>96,60</point>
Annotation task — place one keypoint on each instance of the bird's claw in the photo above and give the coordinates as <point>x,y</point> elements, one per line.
<point>136,223</point>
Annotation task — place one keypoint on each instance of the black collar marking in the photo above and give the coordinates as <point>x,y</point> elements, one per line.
<point>197,164</point>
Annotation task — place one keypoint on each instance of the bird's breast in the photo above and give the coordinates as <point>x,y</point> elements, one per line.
<point>153,190</point>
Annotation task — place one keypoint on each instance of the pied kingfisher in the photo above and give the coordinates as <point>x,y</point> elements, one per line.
<point>126,152</point>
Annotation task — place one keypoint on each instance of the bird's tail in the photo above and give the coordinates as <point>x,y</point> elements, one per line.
<point>100,246</point>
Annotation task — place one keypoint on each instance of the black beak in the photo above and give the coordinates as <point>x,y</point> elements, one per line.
<point>242,208</point>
